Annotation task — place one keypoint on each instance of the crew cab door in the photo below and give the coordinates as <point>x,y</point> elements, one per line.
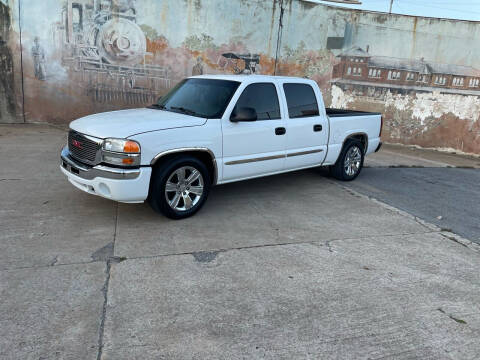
<point>254,148</point>
<point>307,125</point>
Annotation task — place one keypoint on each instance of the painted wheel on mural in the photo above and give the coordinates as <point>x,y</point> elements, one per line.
<point>121,42</point>
<point>179,187</point>
<point>350,162</point>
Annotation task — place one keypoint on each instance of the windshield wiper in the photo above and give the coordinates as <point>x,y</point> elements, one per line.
<point>184,110</point>
<point>157,106</point>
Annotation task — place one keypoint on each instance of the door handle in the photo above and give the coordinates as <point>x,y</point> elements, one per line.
<point>317,127</point>
<point>280,131</point>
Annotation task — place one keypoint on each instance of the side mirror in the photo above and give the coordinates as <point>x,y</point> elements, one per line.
<point>243,114</point>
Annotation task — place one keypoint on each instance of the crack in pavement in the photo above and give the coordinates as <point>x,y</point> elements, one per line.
<point>314,242</point>
<point>118,259</point>
<point>54,261</point>
<point>205,256</point>
<point>329,245</point>
<point>459,240</point>
<point>105,287</point>
<point>457,320</point>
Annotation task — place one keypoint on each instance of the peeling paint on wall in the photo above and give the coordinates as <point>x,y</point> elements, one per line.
<point>436,104</point>
<point>426,119</point>
<point>341,99</point>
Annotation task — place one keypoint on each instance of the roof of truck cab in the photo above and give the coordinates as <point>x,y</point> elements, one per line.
<point>248,78</point>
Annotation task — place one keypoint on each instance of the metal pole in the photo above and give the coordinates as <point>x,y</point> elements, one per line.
<point>279,37</point>
<point>391,3</point>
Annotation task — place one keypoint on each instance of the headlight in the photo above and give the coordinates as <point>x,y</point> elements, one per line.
<point>121,145</point>
<point>121,152</point>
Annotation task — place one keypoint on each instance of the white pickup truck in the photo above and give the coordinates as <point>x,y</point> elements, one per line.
<point>214,129</point>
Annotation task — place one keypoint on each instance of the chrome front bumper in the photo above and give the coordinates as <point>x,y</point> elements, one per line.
<point>91,172</point>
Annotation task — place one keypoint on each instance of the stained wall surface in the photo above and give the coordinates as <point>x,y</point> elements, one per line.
<point>86,56</point>
<point>10,74</point>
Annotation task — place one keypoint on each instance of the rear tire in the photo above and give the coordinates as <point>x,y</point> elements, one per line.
<point>350,162</point>
<point>179,187</point>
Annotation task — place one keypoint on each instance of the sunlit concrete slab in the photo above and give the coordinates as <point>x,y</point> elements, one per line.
<point>407,296</point>
<point>44,220</point>
<point>50,222</point>
<point>51,312</point>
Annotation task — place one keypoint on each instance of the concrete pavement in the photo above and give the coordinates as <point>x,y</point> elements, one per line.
<point>393,155</point>
<point>448,198</point>
<point>287,267</point>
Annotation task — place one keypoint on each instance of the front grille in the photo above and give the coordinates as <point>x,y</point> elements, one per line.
<point>82,148</point>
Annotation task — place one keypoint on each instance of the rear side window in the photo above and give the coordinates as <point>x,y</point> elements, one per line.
<point>301,100</point>
<point>263,98</point>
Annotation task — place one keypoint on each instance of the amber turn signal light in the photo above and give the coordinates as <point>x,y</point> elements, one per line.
<point>127,161</point>
<point>130,147</point>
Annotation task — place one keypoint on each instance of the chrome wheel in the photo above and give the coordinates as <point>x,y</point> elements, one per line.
<point>353,160</point>
<point>184,188</point>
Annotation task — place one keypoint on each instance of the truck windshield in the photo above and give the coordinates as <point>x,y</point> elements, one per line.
<point>199,97</point>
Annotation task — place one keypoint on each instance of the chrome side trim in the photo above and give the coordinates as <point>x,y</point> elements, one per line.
<point>245,161</point>
<point>273,157</point>
<point>185,149</point>
<point>89,173</point>
<point>305,152</point>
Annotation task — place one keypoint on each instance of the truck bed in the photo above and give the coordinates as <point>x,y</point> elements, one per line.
<point>331,112</point>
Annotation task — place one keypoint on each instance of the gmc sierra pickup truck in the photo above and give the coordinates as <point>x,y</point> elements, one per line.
<point>214,129</point>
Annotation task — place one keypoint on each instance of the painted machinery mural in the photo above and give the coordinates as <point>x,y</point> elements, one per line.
<point>101,41</point>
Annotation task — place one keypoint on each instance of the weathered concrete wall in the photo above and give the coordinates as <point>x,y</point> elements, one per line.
<point>8,95</point>
<point>85,56</point>
<point>417,111</point>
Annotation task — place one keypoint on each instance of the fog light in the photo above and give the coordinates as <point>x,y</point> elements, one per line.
<point>114,160</point>
<point>104,189</point>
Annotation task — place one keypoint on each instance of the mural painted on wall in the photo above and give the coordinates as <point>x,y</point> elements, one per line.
<point>39,60</point>
<point>103,44</point>
<point>250,63</point>
<point>87,56</point>
<point>102,55</point>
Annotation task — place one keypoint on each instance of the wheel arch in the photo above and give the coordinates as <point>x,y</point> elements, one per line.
<point>203,154</point>
<point>360,136</point>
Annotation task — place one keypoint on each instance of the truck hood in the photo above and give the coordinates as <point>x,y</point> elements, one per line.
<point>125,123</point>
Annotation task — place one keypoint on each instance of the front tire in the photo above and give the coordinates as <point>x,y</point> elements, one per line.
<point>179,187</point>
<point>350,162</point>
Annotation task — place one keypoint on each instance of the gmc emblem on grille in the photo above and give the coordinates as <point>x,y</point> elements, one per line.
<point>77,144</point>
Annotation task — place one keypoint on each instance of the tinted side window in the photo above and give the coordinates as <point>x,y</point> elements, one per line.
<point>263,98</point>
<point>301,100</point>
